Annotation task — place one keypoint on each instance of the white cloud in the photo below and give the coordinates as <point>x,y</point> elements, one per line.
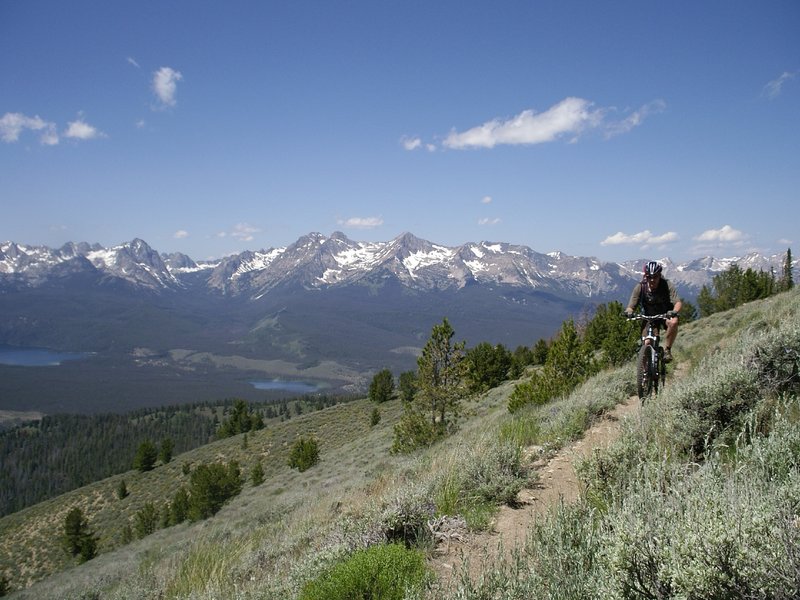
<point>568,119</point>
<point>486,200</point>
<point>133,62</point>
<point>13,124</point>
<point>81,130</point>
<point>645,239</point>
<point>488,221</point>
<point>411,143</point>
<point>569,116</point>
<point>180,234</point>
<point>725,235</point>
<point>165,82</point>
<point>362,222</point>
<point>773,89</point>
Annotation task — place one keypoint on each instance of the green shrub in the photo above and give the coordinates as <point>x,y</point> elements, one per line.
<point>379,573</point>
<point>414,430</point>
<point>210,487</point>
<point>304,454</point>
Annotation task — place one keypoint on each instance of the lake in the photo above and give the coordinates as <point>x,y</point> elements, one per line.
<point>298,387</point>
<point>36,357</point>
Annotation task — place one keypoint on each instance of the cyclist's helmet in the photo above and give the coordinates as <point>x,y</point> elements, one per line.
<point>652,268</point>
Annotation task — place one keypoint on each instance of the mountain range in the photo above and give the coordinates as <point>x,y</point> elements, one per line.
<point>316,261</point>
<point>325,308</point>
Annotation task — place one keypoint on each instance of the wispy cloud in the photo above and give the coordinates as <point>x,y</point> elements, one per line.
<point>644,239</point>
<point>81,130</point>
<point>774,88</point>
<point>635,119</point>
<point>361,222</point>
<point>415,143</point>
<point>411,143</point>
<point>243,232</point>
<point>489,221</point>
<point>12,125</point>
<point>486,200</point>
<point>165,86</point>
<point>132,61</point>
<point>180,234</point>
<point>566,120</point>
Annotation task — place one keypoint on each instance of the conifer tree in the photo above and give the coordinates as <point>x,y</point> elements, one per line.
<point>78,539</point>
<point>408,385</point>
<point>787,281</point>
<point>146,456</point>
<point>146,520</point>
<point>167,447</point>
<point>257,474</point>
<point>440,384</point>
<point>382,386</point>
<point>440,374</point>
<point>179,509</point>
<point>122,490</point>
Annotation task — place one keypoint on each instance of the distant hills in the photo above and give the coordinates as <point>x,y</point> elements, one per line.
<point>323,308</point>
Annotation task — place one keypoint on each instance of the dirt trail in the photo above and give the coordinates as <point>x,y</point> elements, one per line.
<point>557,479</point>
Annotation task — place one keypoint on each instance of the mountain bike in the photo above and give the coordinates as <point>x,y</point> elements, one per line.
<point>651,370</point>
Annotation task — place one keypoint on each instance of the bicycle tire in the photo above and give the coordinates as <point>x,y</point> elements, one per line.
<point>662,368</point>
<point>644,373</point>
<point>655,366</point>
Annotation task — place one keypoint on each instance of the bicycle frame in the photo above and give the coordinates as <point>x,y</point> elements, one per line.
<point>650,366</point>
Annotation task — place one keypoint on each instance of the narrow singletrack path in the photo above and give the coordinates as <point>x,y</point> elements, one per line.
<point>557,481</point>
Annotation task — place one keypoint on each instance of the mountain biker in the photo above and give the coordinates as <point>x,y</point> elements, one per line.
<point>657,295</point>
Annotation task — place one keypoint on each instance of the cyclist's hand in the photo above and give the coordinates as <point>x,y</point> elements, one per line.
<point>671,314</point>
<point>628,314</point>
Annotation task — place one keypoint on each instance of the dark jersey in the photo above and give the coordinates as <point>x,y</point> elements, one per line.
<point>654,302</point>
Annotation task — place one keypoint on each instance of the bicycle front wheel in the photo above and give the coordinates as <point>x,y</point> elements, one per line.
<point>644,371</point>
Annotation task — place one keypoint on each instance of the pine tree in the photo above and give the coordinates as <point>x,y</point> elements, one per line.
<point>787,281</point>
<point>146,456</point>
<point>78,539</point>
<point>167,447</point>
<point>441,374</point>
<point>179,509</point>
<point>382,386</point>
<point>257,474</point>
<point>146,520</point>
<point>440,385</point>
<point>122,490</point>
<point>408,385</point>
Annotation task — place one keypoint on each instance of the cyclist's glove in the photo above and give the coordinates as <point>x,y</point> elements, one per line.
<point>671,314</point>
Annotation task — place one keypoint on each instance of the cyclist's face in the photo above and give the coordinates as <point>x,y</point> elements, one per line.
<point>654,278</point>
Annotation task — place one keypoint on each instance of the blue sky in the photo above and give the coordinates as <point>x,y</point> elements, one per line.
<point>612,129</point>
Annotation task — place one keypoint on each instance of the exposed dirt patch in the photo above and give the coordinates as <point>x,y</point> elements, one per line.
<point>557,480</point>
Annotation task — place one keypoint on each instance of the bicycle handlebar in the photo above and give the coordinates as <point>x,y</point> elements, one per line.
<point>665,316</point>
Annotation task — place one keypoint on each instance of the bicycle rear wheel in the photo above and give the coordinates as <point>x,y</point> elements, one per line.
<point>644,371</point>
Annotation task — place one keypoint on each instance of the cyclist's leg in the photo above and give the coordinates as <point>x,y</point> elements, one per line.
<point>672,332</point>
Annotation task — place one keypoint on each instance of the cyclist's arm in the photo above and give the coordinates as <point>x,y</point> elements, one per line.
<point>635,296</point>
<point>674,299</point>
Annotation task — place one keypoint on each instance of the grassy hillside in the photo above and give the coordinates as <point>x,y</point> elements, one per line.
<point>701,496</point>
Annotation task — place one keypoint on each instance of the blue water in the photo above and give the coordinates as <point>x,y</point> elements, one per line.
<point>36,357</point>
<point>299,387</point>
